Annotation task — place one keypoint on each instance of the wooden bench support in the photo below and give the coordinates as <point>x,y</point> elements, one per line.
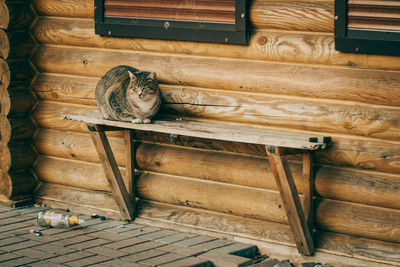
<point>112,172</point>
<point>277,144</point>
<point>291,201</point>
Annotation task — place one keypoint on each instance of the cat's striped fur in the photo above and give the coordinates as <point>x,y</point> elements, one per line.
<point>127,94</point>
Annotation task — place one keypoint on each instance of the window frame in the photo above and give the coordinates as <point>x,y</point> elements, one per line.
<point>362,41</point>
<point>178,30</point>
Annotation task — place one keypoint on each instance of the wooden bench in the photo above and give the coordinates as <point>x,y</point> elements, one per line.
<point>277,144</point>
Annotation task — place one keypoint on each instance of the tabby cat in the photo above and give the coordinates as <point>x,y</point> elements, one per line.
<point>127,94</point>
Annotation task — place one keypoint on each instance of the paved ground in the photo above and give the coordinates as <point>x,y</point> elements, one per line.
<point>110,243</point>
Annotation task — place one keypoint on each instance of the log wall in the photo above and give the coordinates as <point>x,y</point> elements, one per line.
<point>17,128</point>
<point>290,76</point>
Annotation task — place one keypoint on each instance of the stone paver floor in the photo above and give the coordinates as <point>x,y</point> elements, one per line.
<point>110,243</point>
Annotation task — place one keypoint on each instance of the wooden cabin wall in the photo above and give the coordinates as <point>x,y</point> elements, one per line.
<point>17,128</point>
<point>289,76</point>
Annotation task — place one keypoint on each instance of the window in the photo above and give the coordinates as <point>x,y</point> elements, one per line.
<point>368,26</point>
<point>217,21</point>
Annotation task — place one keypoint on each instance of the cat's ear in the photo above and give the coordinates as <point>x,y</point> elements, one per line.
<point>152,76</point>
<point>132,76</point>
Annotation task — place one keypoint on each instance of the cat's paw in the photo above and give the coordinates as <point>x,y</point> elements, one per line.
<point>147,121</point>
<point>137,121</point>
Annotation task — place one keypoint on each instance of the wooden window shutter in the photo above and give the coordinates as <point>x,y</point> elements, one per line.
<point>219,21</point>
<point>368,26</point>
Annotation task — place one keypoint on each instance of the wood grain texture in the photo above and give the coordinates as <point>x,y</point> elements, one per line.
<point>20,156</point>
<point>378,189</point>
<point>304,15</point>
<point>290,198</point>
<point>21,15</point>
<point>4,44</point>
<point>5,77</point>
<point>73,196</point>
<point>16,128</point>
<point>4,16</point>
<point>271,45</point>
<point>365,153</point>
<point>362,248</point>
<point>64,8</point>
<point>359,220</point>
<point>240,200</point>
<point>112,173</point>
<point>22,100</point>
<point>5,104</point>
<point>370,86</point>
<point>265,109</point>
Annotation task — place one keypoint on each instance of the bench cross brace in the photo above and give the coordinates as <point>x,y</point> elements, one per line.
<point>123,197</point>
<point>299,223</point>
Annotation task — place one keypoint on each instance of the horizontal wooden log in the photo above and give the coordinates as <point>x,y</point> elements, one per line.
<point>4,44</point>
<point>264,45</point>
<point>365,153</point>
<point>4,77</point>
<point>300,113</point>
<point>304,15</point>
<point>382,252</point>
<point>21,15</point>
<point>378,189</point>
<point>21,44</point>
<point>21,100</point>
<point>83,175</point>
<point>213,223</point>
<point>250,202</point>
<point>358,220</point>
<point>16,128</point>
<point>370,86</point>
<point>4,16</point>
<point>5,104</point>
<point>14,185</point>
<point>15,157</point>
<point>22,72</point>
<point>75,196</point>
<point>222,197</point>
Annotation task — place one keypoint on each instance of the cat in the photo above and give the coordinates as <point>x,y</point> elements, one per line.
<point>127,94</point>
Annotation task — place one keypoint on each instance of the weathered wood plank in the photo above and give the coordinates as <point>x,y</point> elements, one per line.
<point>130,158</point>
<point>370,86</point>
<point>291,201</point>
<point>210,130</point>
<point>302,15</point>
<point>112,173</point>
<point>271,45</point>
<point>353,151</point>
<point>308,189</point>
<point>373,188</point>
<point>361,220</point>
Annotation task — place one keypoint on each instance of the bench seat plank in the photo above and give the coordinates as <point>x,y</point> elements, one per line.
<point>217,131</point>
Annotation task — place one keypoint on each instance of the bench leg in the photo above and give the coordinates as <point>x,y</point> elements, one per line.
<point>291,200</point>
<point>130,179</point>
<point>112,172</point>
<point>308,189</point>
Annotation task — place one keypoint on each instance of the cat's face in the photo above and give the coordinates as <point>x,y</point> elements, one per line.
<point>142,85</point>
